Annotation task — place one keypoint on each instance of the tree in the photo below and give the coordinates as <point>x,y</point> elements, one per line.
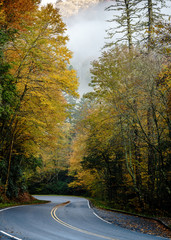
<point>135,21</point>
<point>161,39</point>
<point>153,15</point>
<point>116,132</point>
<point>17,12</point>
<point>126,21</point>
<point>122,142</point>
<point>42,76</point>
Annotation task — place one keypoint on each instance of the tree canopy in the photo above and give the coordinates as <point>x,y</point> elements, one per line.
<point>35,77</point>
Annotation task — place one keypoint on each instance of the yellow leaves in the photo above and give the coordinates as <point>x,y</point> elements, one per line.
<point>165,75</point>
<point>2,14</point>
<point>85,179</point>
<point>53,17</point>
<point>40,62</point>
<point>37,122</point>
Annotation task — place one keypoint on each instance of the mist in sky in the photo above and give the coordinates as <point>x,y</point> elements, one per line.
<point>87,36</point>
<point>87,32</point>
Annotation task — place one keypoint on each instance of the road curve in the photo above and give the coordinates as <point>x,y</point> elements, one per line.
<point>74,221</point>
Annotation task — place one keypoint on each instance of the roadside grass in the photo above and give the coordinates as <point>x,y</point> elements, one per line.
<point>163,218</point>
<point>12,204</point>
<point>35,201</point>
<point>8,203</point>
<point>127,210</point>
<point>103,205</point>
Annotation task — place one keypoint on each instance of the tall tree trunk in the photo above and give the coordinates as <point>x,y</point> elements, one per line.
<point>9,164</point>
<point>7,132</point>
<point>137,152</point>
<point>109,177</point>
<point>151,159</point>
<point>150,23</point>
<point>129,33</point>
<point>10,155</point>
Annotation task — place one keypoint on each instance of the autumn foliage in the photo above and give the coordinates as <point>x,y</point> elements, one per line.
<point>17,11</point>
<point>35,76</point>
<point>121,149</point>
<point>114,144</point>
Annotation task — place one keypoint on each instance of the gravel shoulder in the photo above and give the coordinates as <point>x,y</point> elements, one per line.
<point>135,223</point>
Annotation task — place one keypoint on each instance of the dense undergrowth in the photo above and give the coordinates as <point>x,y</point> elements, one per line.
<point>126,209</point>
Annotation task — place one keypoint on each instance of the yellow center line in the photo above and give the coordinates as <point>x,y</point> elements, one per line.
<point>53,214</point>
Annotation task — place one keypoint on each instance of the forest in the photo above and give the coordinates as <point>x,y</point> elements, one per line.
<point>113,144</point>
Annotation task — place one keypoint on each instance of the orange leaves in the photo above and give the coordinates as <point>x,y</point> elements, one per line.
<point>17,11</point>
<point>164,82</point>
<point>36,51</point>
<point>41,55</point>
<point>165,75</point>
<point>2,15</point>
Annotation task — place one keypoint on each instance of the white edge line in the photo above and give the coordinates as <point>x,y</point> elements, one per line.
<point>7,234</point>
<point>101,218</point>
<point>4,209</point>
<point>97,215</point>
<point>10,235</point>
<point>88,203</point>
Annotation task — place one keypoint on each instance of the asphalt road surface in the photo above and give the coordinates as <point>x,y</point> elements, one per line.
<point>74,221</point>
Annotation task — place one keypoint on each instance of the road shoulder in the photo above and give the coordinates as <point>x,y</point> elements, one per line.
<point>135,223</point>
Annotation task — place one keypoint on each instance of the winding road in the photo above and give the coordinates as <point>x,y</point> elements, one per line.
<point>56,221</point>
